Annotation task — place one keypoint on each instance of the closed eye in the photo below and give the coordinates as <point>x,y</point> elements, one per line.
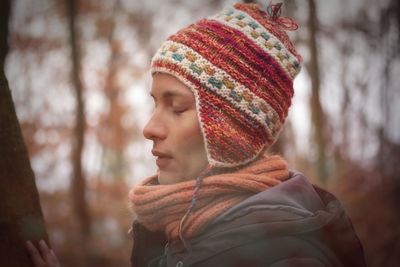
<point>179,111</point>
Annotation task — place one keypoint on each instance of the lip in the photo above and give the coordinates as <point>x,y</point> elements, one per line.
<point>163,159</point>
<point>157,153</point>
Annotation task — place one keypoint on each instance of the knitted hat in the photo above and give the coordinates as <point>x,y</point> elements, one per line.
<point>240,65</point>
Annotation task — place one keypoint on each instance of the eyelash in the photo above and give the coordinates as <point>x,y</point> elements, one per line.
<point>174,111</point>
<point>179,112</point>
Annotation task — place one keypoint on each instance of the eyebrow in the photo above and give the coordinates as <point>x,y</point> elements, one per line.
<point>168,94</point>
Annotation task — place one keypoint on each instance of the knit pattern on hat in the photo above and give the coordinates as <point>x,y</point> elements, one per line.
<point>161,207</point>
<point>240,65</point>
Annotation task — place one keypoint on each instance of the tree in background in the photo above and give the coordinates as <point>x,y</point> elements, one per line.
<point>78,178</point>
<point>317,114</point>
<point>20,212</point>
<point>368,151</point>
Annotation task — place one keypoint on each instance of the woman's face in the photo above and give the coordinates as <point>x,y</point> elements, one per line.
<point>174,129</point>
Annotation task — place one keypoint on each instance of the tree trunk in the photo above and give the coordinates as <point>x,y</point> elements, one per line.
<point>21,217</point>
<point>78,179</point>
<point>317,115</point>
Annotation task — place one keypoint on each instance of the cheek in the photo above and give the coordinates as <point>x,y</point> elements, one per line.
<point>189,127</point>
<point>191,133</point>
<point>189,137</point>
<point>192,156</point>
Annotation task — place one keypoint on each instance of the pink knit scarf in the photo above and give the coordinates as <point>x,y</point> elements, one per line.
<point>161,207</point>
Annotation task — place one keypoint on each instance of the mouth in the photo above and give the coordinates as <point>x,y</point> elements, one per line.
<point>163,159</point>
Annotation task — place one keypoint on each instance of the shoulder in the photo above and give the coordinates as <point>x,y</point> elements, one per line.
<point>293,221</point>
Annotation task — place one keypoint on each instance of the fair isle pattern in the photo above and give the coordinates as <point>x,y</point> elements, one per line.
<point>243,60</point>
<point>241,21</point>
<point>277,31</point>
<point>240,68</point>
<point>219,82</point>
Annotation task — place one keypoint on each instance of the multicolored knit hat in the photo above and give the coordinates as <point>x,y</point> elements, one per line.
<point>240,65</point>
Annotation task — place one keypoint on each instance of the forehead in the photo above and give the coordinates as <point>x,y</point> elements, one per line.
<point>165,85</point>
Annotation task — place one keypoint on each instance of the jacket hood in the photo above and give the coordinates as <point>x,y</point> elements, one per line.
<point>292,208</point>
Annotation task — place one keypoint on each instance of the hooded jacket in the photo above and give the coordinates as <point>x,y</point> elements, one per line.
<point>292,224</point>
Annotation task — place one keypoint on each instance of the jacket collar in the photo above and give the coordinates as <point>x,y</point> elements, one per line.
<point>292,207</point>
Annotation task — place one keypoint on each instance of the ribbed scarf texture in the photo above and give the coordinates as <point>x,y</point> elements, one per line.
<point>161,207</point>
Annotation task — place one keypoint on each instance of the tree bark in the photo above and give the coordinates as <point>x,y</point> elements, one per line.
<point>21,217</point>
<point>78,179</point>
<point>317,115</point>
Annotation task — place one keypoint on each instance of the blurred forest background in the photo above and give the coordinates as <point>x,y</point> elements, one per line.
<point>78,73</point>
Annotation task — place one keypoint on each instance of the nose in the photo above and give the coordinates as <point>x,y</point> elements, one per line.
<point>155,128</point>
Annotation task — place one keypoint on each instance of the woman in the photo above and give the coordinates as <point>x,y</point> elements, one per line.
<point>222,88</point>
